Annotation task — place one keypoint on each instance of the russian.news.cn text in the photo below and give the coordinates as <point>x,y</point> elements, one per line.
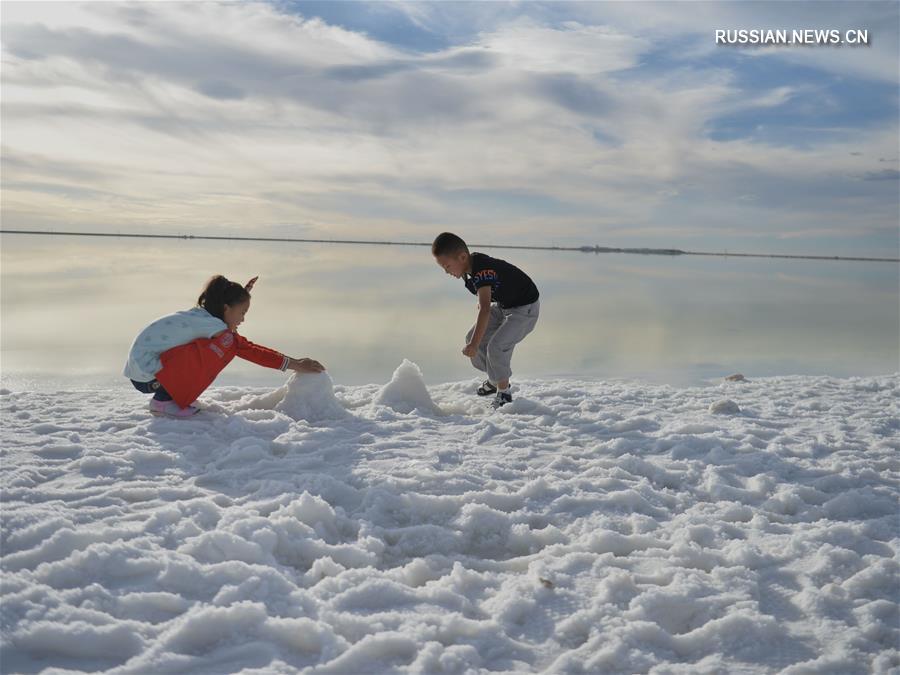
<point>796,37</point>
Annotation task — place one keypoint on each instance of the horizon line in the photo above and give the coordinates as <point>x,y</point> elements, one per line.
<point>580,249</point>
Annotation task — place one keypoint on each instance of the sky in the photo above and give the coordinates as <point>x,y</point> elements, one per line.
<point>609,123</point>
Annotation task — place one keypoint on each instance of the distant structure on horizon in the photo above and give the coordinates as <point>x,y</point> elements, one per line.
<point>645,251</point>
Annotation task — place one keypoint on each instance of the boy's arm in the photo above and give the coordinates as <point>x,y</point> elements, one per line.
<point>484,312</point>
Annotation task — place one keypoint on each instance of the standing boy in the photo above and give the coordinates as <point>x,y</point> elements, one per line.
<point>507,310</point>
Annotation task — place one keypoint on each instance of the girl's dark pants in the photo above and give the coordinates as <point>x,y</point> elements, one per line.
<point>152,387</point>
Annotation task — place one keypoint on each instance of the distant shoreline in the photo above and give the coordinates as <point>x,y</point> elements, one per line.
<point>580,249</point>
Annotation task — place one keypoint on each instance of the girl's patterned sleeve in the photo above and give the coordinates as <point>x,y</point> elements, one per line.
<point>259,354</point>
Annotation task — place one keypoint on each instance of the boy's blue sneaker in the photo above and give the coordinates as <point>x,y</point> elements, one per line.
<point>501,399</point>
<point>486,389</point>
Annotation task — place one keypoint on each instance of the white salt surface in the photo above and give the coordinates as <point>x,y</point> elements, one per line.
<point>589,527</point>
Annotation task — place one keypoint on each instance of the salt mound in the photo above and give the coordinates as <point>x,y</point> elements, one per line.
<point>407,391</point>
<point>310,397</point>
<point>725,407</point>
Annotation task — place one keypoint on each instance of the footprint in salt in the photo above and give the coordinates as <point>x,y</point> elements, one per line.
<point>406,391</point>
<point>310,397</point>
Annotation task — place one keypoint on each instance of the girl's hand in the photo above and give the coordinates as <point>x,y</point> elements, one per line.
<point>249,285</point>
<point>306,366</point>
<point>470,350</point>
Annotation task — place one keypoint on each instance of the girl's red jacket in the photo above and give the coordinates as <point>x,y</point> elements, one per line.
<point>188,369</point>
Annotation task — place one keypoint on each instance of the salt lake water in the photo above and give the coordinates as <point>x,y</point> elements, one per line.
<point>71,307</point>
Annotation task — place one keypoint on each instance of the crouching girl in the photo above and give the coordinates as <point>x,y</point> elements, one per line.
<point>178,356</point>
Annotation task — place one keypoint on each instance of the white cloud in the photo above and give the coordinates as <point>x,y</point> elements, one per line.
<point>575,49</point>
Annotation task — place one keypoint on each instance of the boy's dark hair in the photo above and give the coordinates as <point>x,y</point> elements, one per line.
<point>447,243</point>
<point>220,292</point>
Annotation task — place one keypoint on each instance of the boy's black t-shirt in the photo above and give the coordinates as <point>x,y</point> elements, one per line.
<point>510,286</point>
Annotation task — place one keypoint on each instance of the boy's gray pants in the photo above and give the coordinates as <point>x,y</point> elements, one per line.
<point>505,329</point>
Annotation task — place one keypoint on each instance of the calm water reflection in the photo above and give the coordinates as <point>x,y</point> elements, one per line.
<point>70,308</point>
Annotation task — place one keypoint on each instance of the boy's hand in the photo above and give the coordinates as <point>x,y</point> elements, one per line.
<point>470,350</point>
<point>306,366</point>
<point>249,285</point>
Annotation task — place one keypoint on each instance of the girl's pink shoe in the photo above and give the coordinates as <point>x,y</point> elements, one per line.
<point>171,409</point>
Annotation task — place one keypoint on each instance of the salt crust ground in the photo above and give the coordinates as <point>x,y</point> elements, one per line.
<point>589,527</point>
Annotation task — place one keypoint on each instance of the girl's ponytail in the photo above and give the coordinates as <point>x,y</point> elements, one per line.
<point>220,292</point>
